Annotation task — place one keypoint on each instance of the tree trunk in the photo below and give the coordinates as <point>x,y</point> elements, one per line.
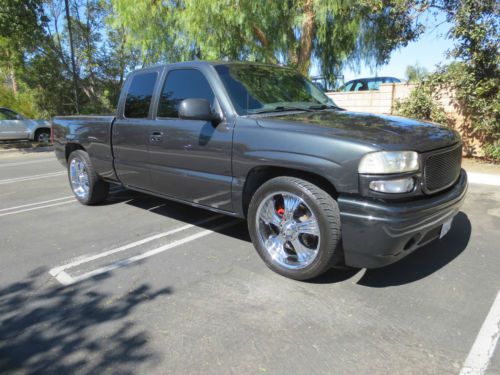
<point>306,38</point>
<point>262,38</point>
<point>13,81</point>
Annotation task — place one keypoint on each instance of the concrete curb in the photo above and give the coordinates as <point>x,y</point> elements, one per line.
<point>27,150</point>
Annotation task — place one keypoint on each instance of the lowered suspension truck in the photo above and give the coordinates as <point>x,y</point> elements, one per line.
<point>319,186</point>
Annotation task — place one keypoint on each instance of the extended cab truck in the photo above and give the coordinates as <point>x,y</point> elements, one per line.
<point>319,186</point>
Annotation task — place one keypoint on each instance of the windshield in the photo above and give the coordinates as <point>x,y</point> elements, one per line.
<point>261,88</point>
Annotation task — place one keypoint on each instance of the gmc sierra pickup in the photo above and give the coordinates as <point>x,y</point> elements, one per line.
<point>319,186</point>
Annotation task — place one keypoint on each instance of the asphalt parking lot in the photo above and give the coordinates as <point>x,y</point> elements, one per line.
<point>144,285</point>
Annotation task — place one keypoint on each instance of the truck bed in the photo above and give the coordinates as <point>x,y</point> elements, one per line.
<point>93,133</point>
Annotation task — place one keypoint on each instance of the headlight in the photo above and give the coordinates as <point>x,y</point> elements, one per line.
<point>385,162</point>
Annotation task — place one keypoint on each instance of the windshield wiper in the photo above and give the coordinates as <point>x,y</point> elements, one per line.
<point>322,106</point>
<point>282,109</point>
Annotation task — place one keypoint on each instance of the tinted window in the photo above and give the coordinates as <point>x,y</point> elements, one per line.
<point>347,87</point>
<point>139,95</point>
<point>374,84</point>
<point>5,114</point>
<point>183,84</point>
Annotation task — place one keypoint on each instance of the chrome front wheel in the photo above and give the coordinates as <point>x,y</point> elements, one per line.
<point>288,230</point>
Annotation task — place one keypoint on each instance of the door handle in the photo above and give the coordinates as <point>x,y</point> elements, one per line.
<point>156,137</point>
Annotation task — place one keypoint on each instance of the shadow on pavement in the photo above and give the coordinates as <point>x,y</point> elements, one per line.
<point>418,265</point>
<point>49,329</point>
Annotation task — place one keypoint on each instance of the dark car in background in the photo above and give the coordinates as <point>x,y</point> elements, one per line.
<point>366,84</point>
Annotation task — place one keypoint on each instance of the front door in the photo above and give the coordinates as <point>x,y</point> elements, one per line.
<point>190,159</point>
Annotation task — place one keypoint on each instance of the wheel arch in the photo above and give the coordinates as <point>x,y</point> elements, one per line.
<point>70,147</point>
<point>40,129</point>
<point>259,175</point>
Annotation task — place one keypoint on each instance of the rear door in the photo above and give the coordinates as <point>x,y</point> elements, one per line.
<point>131,130</point>
<point>190,159</point>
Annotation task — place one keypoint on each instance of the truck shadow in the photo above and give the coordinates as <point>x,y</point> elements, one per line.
<point>421,263</point>
<point>79,329</point>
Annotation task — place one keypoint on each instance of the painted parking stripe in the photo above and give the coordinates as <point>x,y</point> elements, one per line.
<point>57,270</point>
<point>483,348</point>
<point>38,207</point>
<point>483,178</point>
<point>36,203</point>
<point>26,162</point>
<point>65,279</point>
<point>30,178</point>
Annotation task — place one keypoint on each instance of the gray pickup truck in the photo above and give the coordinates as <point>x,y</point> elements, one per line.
<point>319,186</point>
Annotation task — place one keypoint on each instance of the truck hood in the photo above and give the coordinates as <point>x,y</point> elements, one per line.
<point>385,132</point>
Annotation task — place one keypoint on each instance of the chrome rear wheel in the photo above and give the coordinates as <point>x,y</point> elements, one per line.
<point>79,177</point>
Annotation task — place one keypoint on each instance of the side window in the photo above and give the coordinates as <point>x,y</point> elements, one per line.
<point>183,84</point>
<point>359,86</point>
<point>5,114</point>
<point>347,87</point>
<point>374,84</point>
<point>139,95</point>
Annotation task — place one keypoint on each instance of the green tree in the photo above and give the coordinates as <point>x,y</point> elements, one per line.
<point>292,32</point>
<point>474,75</point>
<point>416,73</point>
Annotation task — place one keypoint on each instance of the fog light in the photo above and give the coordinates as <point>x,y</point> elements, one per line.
<point>403,185</point>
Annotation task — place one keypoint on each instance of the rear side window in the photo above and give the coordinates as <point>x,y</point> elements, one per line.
<point>139,95</point>
<point>374,84</point>
<point>183,84</point>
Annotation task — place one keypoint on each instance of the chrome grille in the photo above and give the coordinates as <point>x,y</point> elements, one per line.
<point>442,169</point>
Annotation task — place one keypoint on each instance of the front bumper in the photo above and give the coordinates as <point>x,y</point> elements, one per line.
<point>376,233</point>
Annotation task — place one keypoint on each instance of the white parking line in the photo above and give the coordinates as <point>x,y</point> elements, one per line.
<point>36,203</point>
<point>483,348</point>
<point>65,279</point>
<point>55,271</point>
<point>60,274</point>
<point>30,178</point>
<point>38,207</point>
<point>26,162</point>
<point>483,178</point>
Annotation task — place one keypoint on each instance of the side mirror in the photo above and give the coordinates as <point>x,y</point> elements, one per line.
<point>198,109</point>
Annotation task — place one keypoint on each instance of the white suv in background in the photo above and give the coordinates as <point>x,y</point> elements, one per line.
<point>15,126</point>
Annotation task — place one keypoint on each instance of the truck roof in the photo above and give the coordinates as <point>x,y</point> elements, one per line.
<point>200,63</point>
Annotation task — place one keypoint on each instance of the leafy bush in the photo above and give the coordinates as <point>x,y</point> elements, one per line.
<point>492,151</point>
<point>477,95</point>
<point>23,103</point>
<point>421,105</point>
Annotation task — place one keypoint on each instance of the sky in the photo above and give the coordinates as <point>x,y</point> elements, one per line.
<point>428,51</point>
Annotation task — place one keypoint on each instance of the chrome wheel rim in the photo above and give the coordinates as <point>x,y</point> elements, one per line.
<point>43,137</point>
<point>288,230</point>
<point>79,178</point>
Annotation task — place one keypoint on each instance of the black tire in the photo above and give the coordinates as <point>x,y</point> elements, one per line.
<point>42,135</point>
<point>97,188</point>
<point>325,209</point>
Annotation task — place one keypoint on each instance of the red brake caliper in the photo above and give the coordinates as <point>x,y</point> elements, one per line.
<point>280,211</point>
